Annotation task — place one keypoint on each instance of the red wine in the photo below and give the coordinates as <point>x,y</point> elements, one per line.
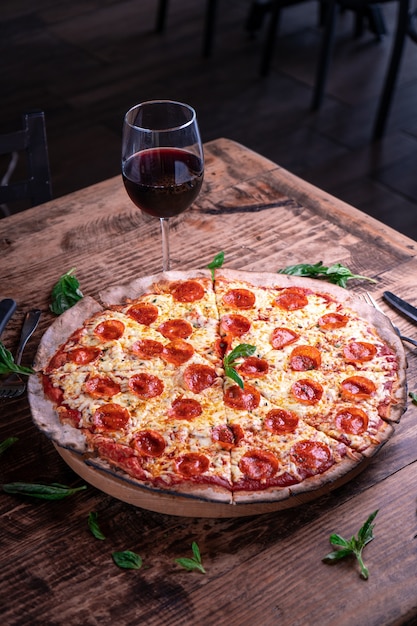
<point>163,181</point>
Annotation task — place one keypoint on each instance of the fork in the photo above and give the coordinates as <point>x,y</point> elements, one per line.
<point>13,386</point>
<point>366,296</point>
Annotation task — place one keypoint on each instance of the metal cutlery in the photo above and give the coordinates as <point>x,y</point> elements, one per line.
<point>13,386</point>
<point>7,308</point>
<point>370,300</point>
<point>401,305</point>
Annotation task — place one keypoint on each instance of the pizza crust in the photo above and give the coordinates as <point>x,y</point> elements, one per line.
<point>45,416</point>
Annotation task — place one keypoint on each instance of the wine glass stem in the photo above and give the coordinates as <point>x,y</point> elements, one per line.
<point>165,243</point>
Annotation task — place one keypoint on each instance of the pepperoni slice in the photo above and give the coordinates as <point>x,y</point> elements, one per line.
<point>69,416</point>
<point>176,329</point>
<point>280,421</point>
<point>58,360</point>
<point>192,464</point>
<point>101,387</point>
<point>235,325</point>
<point>188,291</point>
<point>144,313</point>
<point>109,330</point>
<point>111,417</point>
<point>291,299</point>
<point>55,394</point>
<point>83,355</point>
<point>222,345</point>
<point>281,337</point>
<point>147,348</point>
<point>146,385</point>
<point>245,399</point>
<point>228,435</point>
<point>259,464</point>
<point>239,298</point>
<point>254,367</point>
<point>357,387</point>
<point>329,321</point>
<point>352,421</point>
<point>304,358</point>
<point>148,443</point>
<point>307,391</point>
<point>177,352</point>
<point>185,409</point>
<point>199,377</point>
<point>314,457</point>
<point>359,351</point>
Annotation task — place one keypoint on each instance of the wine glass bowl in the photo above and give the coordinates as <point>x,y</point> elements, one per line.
<point>162,161</point>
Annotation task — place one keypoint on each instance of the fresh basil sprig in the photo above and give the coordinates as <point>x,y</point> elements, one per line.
<point>193,563</point>
<point>230,361</point>
<point>6,443</point>
<point>413,396</point>
<point>353,546</point>
<point>54,491</point>
<point>216,263</point>
<point>337,273</point>
<point>127,559</point>
<point>65,293</point>
<point>8,365</point>
<point>94,527</point>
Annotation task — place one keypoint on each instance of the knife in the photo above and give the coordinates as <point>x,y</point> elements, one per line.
<point>404,307</point>
<point>7,308</point>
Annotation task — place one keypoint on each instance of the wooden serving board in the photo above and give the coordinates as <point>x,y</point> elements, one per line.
<point>189,506</point>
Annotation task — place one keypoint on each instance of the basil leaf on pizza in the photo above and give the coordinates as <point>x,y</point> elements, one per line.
<point>216,263</point>
<point>65,293</point>
<point>232,359</point>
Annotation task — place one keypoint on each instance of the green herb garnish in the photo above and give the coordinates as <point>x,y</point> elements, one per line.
<point>353,546</point>
<point>65,293</point>
<point>413,396</point>
<point>6,443</point>
<point>127,559</point>
<point>337,273</point>
<point>231,360</point>
<point>54,491</point>
<point>194,563</point>
<point>216,262</point>
<point>8,365</point>
<point>94,527</point>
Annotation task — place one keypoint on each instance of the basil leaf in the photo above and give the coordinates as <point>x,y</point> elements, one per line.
<point>127,559</point>
<point>230,372</point>
<point>65,293</point>
<point>7,364</point>
<point>94,527</point>
<point>216,262</point>
<point>338,554</point>
<point>241,351</point>
<point>413,396</point>
<point>192,564</point>
<point>337,273</point>
<point>54,491</point>
<point>337,540</point>
<point>6,443</point>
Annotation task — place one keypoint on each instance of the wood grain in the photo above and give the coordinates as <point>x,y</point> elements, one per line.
<point>263,569</point>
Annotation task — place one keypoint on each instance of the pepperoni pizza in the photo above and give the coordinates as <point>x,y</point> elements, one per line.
<point>140,388</point>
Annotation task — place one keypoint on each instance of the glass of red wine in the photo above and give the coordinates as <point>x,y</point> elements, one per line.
<point>162,161</point>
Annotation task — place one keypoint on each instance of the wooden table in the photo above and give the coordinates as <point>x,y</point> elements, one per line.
<point>264,569</point>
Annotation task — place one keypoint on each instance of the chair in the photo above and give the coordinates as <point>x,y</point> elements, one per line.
<point>331,8</point>
<point>30,141</point>
<point>209,22</point>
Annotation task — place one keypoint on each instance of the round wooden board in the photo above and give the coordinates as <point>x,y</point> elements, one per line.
<point>189,507</point>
